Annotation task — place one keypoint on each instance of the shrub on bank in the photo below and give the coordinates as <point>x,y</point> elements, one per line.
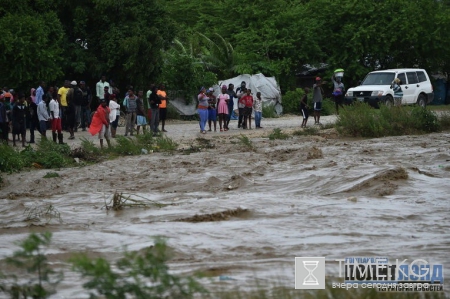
<point>48,154</point>
<point>361,120</point>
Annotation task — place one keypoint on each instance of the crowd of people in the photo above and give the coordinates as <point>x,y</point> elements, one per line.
<point>68,108</point>
<point>211,107</point>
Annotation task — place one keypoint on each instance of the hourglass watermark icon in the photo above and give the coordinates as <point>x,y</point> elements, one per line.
<point>310,273</point>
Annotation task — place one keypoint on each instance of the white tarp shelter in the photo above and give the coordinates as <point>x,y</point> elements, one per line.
<point>268,86</point>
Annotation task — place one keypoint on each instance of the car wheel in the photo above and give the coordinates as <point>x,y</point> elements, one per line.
<point>422,101</point>
<point>389,101</point>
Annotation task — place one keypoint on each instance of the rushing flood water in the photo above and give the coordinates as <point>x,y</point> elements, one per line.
<point>306,196</point>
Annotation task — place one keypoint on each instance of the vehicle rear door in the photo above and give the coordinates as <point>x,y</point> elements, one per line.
<point>410,89</point>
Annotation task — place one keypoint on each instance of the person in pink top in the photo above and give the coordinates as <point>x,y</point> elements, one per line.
<point>222,108</point>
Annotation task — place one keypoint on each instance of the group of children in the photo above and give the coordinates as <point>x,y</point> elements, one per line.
<point>210,107</point>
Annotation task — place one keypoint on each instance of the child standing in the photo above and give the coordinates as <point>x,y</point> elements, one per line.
<point>140,112</point>
<point>247,101</point>
<point>304,107</point>
<point>18,120</point>
<point>55,117</point>
<point>212,111</point>
<point>222,108</point>
<point>257,106</point>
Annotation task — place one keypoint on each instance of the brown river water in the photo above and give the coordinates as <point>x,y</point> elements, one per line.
<point>305,196</point>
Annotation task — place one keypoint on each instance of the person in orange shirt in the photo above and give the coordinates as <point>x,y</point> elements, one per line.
<point>163,106</point>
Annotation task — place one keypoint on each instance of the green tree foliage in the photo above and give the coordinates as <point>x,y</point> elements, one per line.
<point>185,71</point>
<point>278,37</point>
<point>122,39</point>
<point>132,41</point>
<point>31,49</point>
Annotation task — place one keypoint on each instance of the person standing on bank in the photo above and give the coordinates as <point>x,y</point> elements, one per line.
<point>74,96</point>
<point>85,114</point>
<point>203,109</point>
<point>154,106</point>
<point>100,88</point>
<point>43,117</point>
<point>257,107</point>
<point>232,95</point>
<point>62,99</point>
<point>240,92</point>
<point>141,120</point>
<point>114,114</point>
<point>317,99</point>
<point>40,93</point>
<point>398,92</point>
<point>163,106</point>
<point>18,119</point>
<point>32,118</point>
<point>56,120</point>
<point>304,107</point>
<point>100,123</point>
<point>222,108</point>
<point>338,92</point>
<point>130,105</point>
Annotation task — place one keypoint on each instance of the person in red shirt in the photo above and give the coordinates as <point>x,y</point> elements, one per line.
<point>247,101</point>
<point>100,123</point>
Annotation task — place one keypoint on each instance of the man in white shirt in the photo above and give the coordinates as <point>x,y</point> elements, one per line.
<point>100,88</point>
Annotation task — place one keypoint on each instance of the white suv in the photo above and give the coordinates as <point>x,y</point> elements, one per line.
<point>376,87</point>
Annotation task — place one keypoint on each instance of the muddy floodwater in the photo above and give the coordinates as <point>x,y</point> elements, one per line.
<point>247,214</point>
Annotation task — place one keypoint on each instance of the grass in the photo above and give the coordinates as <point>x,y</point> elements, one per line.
<point>246,142</point>
<point>444,120</point>
<point>165,144</point>
<point>361,120</point>
<point>268,111</point>
<point>278,134</point>
<point>439,107</point>
<point>307,131</point>
<point>50,175</point>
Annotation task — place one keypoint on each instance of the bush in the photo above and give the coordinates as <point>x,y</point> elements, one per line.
<point>10,159</point>
<point>164,143</point>
<point>172,112</point>
<point>125,146</point>
<point>291,101</point>
<point>31,259</point>
<point>362,120</point>
<point>277,134</point>
<point>444,120</point>
<point>143,274</point>
<point>268,111</point>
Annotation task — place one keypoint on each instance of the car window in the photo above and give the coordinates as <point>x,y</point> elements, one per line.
<point>402,78</point>
<point>421,76</point>
<point>378,79</point>
<point>412,77</point>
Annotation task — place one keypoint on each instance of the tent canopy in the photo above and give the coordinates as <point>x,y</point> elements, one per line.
<point>268,86</point>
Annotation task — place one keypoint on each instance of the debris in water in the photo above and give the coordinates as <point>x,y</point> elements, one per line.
<point>219,216</point>
<point>352,199</point>
<point>120,201</point>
